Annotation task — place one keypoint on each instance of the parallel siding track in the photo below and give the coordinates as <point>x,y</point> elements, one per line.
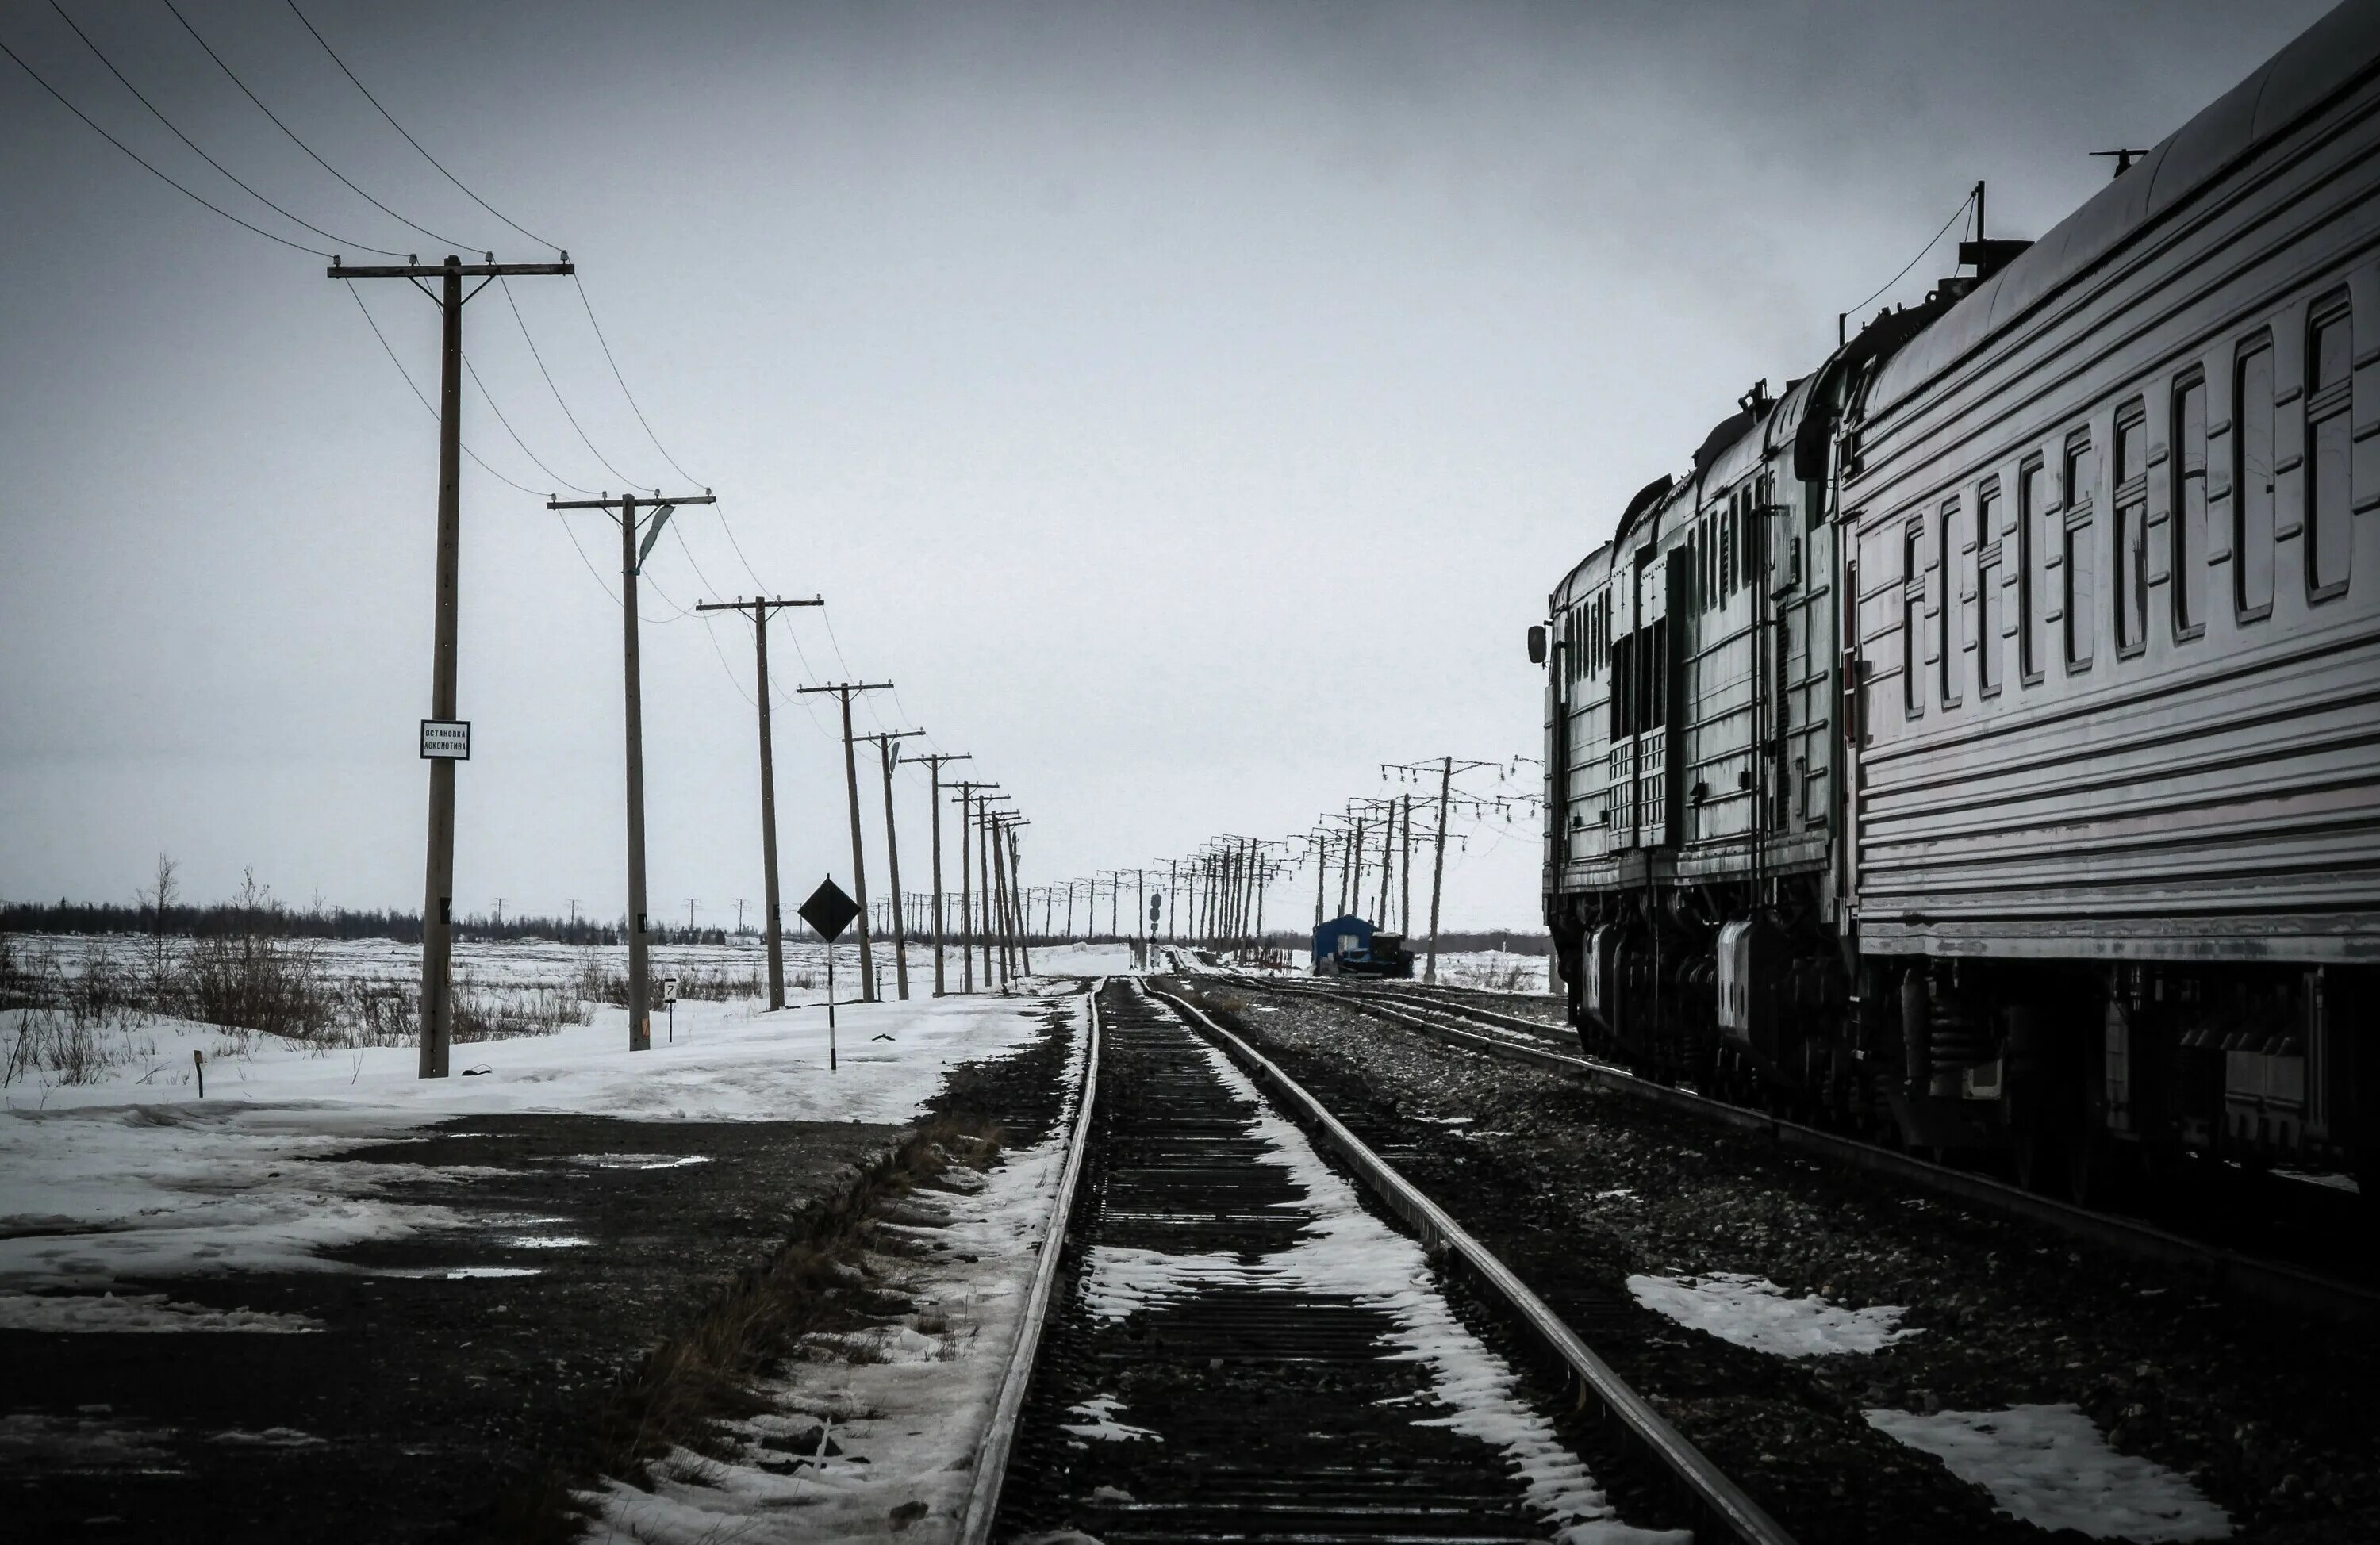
<point>1550,1046</point>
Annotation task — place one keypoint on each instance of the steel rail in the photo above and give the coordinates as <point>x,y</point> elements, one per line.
<point>2272,1282</point>
<point>1713,1495</point>
<point>1000,1433</point>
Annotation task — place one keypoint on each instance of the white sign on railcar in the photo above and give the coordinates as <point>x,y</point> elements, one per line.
<point>447,740</point>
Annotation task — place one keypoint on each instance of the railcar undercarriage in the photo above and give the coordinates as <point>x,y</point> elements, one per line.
<point>2079,1076</point>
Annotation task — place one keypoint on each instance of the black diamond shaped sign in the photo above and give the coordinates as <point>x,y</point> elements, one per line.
<point>828,910</point>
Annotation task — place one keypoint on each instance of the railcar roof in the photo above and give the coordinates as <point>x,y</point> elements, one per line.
<point>1586,576</point>
<point>2336,50</point>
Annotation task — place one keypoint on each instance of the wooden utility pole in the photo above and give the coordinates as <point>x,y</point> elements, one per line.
<point>890,755</point>
<point>759,607</point>
<point>1317,848</point>
<point>632,561</point>
<point>984,856</point>
<point>933,764</point>
<point>842,692</point>
<point>438,888</point>
<point>1025,919</point>
<point>1404,871</point>
<point>997,896</point>
<point>967,792</point>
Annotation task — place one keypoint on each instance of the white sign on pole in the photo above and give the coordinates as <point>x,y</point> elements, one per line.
<point>446,739</point>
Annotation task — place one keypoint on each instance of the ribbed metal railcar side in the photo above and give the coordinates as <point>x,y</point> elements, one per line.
<point>2211,790</point>
<point>2019,899</point>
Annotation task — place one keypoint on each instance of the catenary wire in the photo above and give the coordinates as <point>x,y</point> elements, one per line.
<point>1963,205</point>
<point>285,128</point>
<point>195,198</point>
<point>557,391</point>
<point>411,139</point>
<point>235,179</point>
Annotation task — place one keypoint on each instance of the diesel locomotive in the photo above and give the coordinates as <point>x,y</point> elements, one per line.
<point>1979,745</point>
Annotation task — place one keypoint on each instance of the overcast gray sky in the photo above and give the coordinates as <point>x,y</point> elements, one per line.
<point>1189,406</point>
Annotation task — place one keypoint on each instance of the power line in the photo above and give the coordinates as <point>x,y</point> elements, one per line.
<point>411,140</point>
<point>235,180</point>
<point>488,397</point>
<point>285,128</point>
<point>369,319</point>
<point>608,594</point>
<point>632,396</point>
<point>557,392</point>
<point>152,171</point>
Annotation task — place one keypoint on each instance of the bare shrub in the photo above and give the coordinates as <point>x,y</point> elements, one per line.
<point>599,982</point>
<point>247,978</point>
<point>482,1015</point>
<point>157,899</point>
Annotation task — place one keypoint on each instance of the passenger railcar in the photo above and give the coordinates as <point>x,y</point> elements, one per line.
<point>1980,741</point>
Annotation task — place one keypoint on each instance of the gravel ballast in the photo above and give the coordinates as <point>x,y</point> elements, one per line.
<point>1581,1189</point>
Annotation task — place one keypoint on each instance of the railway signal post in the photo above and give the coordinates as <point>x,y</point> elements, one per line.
<point>759,607</point>
<point>438,891</point>
<point>632,560</point>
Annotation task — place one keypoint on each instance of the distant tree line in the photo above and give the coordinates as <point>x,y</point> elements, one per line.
<point>158,908</point>
<point>64,916</point>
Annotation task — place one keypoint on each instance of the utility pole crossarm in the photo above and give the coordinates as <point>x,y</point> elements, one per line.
<point>850,686</point>
<point>768,604</point>
<point>656,498</point>
<point>432,271</point>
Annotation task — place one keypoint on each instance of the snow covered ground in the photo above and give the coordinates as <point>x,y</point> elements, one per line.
<point>2049,1466</point>
<point>872,1438</point>
<point>136,1175</point>
<point>1752,1312</point>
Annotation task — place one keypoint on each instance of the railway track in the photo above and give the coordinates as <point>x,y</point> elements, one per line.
<point>1228,1347</point>
<point>1543,1045</point>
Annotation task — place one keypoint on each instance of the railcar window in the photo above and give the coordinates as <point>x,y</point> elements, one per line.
<point>2034,519</point>
<point>2132,481</point>
<point>1912,612</point>
<point>2330,534</point>
<point>2252,483</point>
<point>1726,557</point>
<point>1987,612</point>
<point>2082,559</point>
<point>1945,621</point>
<point>2188,524</point>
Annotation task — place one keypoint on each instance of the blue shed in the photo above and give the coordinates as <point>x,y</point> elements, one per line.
<point>1349,936</point>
